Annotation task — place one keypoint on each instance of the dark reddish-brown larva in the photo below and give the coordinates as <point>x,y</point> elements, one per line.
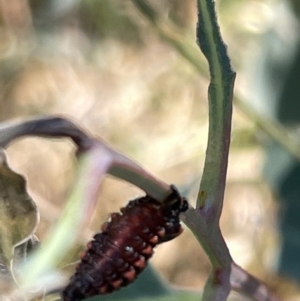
<point>117,255</point>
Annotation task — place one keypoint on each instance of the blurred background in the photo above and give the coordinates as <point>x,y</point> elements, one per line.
<point>107,67</point>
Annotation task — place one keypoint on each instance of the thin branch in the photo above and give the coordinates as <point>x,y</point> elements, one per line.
<point>246,284</point>
<point>45,126</point>
<point>119,165</point>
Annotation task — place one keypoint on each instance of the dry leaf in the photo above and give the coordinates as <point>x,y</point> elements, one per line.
<point>18,213</point>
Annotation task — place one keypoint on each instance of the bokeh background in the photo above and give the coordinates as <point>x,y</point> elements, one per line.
<point>106,67</point>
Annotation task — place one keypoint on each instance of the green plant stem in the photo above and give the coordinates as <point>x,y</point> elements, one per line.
<point>211,192</point>
<point>204,222</point>
<point>220,93</point>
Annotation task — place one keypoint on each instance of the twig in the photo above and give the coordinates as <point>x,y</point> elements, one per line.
<point>58,127</point>
<point>246,284</point>
<point>45,126</point>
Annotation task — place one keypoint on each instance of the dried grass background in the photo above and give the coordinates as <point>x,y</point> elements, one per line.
<point>101,64</point>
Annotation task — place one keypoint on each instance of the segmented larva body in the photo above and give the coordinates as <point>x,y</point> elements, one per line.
<point>117,255</point>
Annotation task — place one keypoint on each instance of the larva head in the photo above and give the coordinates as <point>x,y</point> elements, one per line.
<point>172,207</point>
<point>175,203</point>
